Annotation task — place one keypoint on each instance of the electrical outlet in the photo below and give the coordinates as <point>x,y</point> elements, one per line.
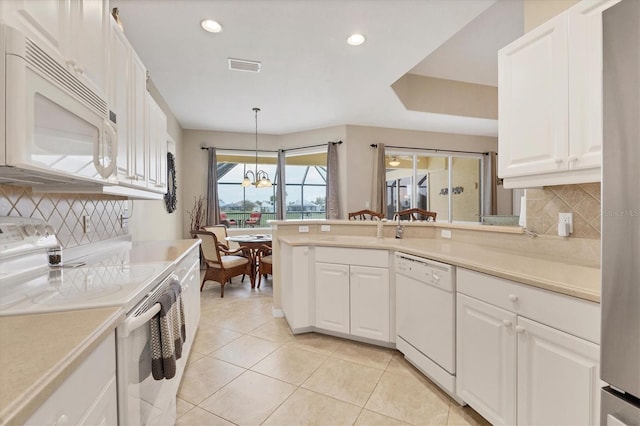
<point>565,224</point>
<point>86,224</point>
<point>446,233</point>
<point>303,229</point>
<point>325,228</point>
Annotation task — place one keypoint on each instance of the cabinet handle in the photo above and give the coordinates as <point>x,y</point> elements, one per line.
<point>506,323</point>
<point>435,277</point>
<point>79,69</point>
<point>306,250</point>
<point>558,160</point>
<point>573,159</point>
<point>520,329</point>
<point>71,62</point>
<point>513,297</point>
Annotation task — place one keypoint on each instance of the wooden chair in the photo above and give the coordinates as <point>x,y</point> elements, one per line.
<point>222,264</point>
<point>366,215</point>
<point>254,219</point>
<point>265,262</point>
<point>415,215</point>
<point>221,233</point>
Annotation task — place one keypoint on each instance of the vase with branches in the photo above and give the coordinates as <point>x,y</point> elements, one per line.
<point>197,214</point>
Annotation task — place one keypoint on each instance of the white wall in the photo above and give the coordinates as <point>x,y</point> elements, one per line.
<point>355,156</point>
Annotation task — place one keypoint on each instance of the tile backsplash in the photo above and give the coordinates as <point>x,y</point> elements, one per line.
<point>65,211</point>
<point>583,200</point>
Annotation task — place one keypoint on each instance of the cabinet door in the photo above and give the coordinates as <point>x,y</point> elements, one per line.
<point>585,83</point>
<point>42,20</point>
<point>558,377</point>
<point>294,284</point>
<point>486,359</point>
<point>156,134</point>
<point>137,115</point>
<point>533,102</point>
<point>90,22</point>
<point>332,297</point>
<point>119,91</point>
<point>369,290</point>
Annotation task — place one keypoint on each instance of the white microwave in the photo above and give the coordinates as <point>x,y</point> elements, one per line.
<point>53,128</point>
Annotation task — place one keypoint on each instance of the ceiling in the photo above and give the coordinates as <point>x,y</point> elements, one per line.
<point>311,78</point>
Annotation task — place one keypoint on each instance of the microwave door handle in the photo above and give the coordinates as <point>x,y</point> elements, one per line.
<point>108,131</point>
<point>134,323</point>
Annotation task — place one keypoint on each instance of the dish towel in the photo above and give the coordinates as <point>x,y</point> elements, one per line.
<point>167,333</point>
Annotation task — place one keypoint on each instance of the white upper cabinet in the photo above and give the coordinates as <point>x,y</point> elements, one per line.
<point>75,33</point>
<point>156,134</point>
<point>550,101</point>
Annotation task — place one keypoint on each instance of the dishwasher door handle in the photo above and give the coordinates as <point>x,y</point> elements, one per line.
<point>134,323</point>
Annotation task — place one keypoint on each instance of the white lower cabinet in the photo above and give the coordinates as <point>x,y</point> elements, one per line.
<point>88,396</point>
<point>486,359</point>
<point>558,377</point>
<point>516,370</point>
<point>353,298</point>
<point>332,297</point>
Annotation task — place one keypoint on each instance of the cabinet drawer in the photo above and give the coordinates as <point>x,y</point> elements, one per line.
<point>349,256</point>
<point>572,315</point>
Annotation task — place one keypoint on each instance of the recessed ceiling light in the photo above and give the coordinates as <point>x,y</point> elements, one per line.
<point>356,39</point>
<point>211,26</point>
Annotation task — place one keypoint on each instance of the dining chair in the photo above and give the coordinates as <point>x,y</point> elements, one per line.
<point>254,219</point>
<point>222,264</point>
<point>365,215</point>
<point>265,262</point>
<point>221,233</point>
<point>415,214</point>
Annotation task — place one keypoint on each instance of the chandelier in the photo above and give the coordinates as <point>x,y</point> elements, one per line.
<point>260,177</point>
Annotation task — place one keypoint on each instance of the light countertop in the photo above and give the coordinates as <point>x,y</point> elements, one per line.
<point>40,351</point>
<point>554,275</point>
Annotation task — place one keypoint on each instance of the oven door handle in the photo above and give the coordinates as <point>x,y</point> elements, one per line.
<point>131,324</point>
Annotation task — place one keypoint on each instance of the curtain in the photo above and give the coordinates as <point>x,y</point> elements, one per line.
<point>490,195</point>
<point>280,204</point>
<point>213,206</point>
<point>379,193</point>
<point>332,207</point>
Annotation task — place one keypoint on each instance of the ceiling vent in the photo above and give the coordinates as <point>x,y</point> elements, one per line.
<point>244,65</point>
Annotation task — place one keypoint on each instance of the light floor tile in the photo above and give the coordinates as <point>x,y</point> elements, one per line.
<point>365,354</point>
<point>204,377</point>
<point>199,417</point>
<point>241,322</point>
<point>399,365</point>
<point>248,399</point>
<point>245,351</point>
<point>344,380</point>
<point>182,407</point>
<point>194,356</point>
<point>409,399</point>
<point>319,343</point>
<point>291,364</point>
<point>464,416</point>
<point>369,418</point>
<point>211,338</point>
<point>276,330</point>
<point>309,408</point>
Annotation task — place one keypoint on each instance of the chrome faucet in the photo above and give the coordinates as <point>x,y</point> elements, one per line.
<point>399,231</point>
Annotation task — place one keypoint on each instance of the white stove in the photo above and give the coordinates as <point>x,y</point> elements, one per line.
<point>29,285</point>
<point>102,275</point>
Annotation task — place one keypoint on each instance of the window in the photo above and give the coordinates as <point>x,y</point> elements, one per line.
<point>446,184</point>
<point>236,202</point>
<point>306,181</point>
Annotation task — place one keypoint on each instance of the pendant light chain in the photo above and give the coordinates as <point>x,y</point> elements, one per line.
<point>260,177</point>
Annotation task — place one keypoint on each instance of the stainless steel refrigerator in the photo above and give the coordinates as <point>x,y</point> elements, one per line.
<point>620,342</point>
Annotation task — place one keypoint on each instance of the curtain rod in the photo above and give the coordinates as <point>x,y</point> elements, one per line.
<point>312,146</point>
<point>238,149</point>
<point>267,150</point>
<point>375,145</point>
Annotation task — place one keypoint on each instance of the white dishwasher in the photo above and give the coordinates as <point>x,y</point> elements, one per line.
<point>425,317</point>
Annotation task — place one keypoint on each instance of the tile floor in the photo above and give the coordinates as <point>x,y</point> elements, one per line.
<point>246,368</point>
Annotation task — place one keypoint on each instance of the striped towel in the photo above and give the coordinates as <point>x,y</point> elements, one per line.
<point>167,333</point>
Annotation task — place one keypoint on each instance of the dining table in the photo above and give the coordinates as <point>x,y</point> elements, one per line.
<point>253,243</point>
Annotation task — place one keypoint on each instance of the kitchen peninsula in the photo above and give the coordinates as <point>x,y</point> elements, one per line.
<point>510,310</point>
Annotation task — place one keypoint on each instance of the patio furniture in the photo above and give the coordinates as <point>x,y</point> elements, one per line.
<point>254,219</point>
